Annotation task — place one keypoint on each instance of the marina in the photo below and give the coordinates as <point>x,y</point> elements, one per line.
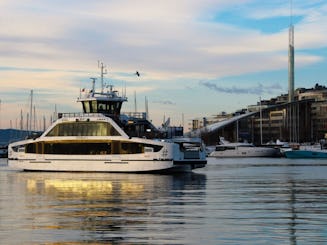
<point>231,151</point>
<point>230,201</point>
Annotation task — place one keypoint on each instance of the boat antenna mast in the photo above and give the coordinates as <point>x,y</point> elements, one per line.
<point>103,72</point>
<point>93,85</point>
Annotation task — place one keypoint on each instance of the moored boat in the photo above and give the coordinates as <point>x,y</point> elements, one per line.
<point>308,151</point>
<point>228,149</point>
<point>306,154</point>
<point>101,139</point>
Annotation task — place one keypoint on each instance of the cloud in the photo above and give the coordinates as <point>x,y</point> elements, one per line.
<point>172,43</point>
<point>259,89</point>
<point>178,40</point>
<point>164,102</point>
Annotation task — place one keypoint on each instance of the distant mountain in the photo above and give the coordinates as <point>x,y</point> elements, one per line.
<point>10,135</point>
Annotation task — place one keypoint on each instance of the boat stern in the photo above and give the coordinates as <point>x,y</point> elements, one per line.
<point>189,154</point>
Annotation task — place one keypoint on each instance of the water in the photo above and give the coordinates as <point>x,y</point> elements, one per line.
<point>231,201</point>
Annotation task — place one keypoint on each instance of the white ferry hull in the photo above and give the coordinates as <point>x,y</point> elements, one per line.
<point>103,163</point>
<point>80,165</point>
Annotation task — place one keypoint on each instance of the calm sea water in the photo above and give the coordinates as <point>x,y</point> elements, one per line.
<point>231,201</point>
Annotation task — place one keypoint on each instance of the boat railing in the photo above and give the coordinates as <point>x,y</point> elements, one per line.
<point>139,115</point>
<point>79,114</point>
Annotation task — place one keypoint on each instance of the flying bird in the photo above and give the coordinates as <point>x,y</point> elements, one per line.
<point>137,73</point>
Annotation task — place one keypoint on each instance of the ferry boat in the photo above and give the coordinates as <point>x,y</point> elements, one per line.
<point>101,139</point>
<point>228,149</point>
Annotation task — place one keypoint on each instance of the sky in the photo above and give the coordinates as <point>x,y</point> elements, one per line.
<point>195,58</point>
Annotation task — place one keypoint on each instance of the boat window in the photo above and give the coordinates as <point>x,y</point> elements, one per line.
<point>31,148</point>
<point>94,106</point>
<point>131,148</point>
<point>19,148</point>
<point>148,149</point>
<point>101,107</point>
<point>91,148</point>
<point>220,148</point>
<point>106,107</point>
<point>86,107</point>
<point>155,148</point>
<point>84,129</point>
<point>224,148</point>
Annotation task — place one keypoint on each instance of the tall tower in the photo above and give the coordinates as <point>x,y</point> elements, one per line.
<point>291,59</point>
<point>291,65</point>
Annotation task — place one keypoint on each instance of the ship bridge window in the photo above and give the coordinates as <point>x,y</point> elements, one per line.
<point>86,106</point>
<point>107,107</point>
<point>94,107</point>
<point>84,129</point>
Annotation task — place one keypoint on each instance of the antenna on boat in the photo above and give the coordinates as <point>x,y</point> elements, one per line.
<point>146,108</point>
<point>103,72</point>
<point>135,105</point>
<point>93,84</point>
<point>21,120</point>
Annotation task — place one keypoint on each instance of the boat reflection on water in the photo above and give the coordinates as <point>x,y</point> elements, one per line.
<point>102,185</point>
<point>108,207</point>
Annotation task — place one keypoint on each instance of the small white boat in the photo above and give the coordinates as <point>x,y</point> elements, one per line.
<point>102,140</point>
<point>228,149</point>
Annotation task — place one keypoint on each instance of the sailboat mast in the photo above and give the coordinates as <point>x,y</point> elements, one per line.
<point>30,114</point>
<point>135,105</point>
<point>21,120</point>
<point>260,122</point>
<point>103,72</point>
<point>34,119</point>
